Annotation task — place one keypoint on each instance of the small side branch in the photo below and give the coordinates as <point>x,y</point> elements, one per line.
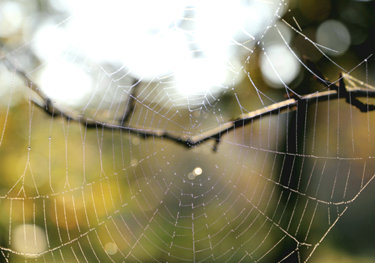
<point>352,99</point>
<point>130,104</point>
<point>335,92</point>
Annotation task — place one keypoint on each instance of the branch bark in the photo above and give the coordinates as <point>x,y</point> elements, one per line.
<point>334,92</point>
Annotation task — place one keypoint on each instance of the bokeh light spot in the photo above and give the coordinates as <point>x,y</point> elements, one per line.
<point>29,239</point>
<point>65,82</point>
<point>335,36</point>
<point>279,66</point>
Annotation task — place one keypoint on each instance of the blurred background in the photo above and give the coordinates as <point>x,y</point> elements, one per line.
<point>273,189</point>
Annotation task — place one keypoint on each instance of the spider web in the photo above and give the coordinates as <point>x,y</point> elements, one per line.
<point>271,192</point>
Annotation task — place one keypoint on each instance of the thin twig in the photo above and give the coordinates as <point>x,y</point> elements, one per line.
<point>130,104</point>
<point>335,92</point>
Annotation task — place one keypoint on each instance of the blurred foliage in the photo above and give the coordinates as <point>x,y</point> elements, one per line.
<point>82,178</point>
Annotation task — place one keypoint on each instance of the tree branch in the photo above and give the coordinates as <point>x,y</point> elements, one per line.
<point>335,92</point>
<point>130,104</point>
